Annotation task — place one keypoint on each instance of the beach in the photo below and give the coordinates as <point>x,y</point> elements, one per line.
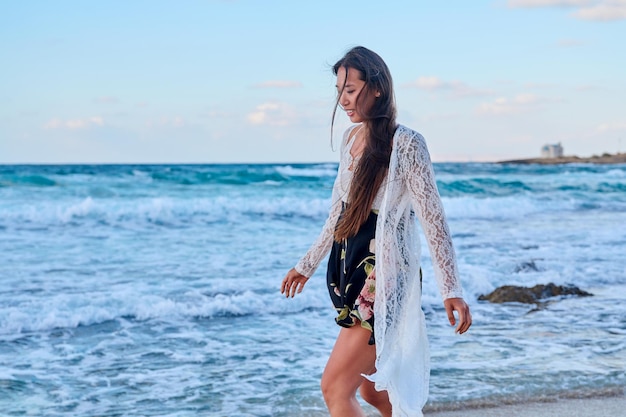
<point>613,406</point>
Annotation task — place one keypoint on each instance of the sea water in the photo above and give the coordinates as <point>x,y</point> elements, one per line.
<point>153,290</point>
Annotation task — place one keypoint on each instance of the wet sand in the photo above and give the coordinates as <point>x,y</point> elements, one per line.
<point>614,406</point>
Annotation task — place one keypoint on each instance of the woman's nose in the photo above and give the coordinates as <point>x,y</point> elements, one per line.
<point>343,99</point>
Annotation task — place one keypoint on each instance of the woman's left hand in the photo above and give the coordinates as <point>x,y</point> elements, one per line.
<point>460,306</point>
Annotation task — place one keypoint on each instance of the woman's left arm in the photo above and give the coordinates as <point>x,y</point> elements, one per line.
<point>420,180</point>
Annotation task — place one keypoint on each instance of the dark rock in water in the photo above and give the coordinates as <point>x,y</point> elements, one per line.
<point>515,294</point>
<point>529,266</point>
<point>527,247</point>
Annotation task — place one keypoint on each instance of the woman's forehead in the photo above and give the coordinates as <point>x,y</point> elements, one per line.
<point>353,76</point>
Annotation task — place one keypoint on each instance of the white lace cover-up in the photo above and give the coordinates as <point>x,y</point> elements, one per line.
<point>402,358</point>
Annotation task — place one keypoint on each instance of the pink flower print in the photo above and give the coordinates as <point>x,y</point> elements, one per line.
<point>366,297</point>
<point>366,309</point>
<point>368,292</point>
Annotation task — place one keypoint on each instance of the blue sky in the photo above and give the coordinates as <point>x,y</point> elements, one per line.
<point>250,81</point>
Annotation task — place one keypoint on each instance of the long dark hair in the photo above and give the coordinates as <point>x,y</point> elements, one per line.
<point>379,126</point>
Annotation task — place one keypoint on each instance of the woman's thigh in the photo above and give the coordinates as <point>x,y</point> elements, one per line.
<point>351,356</point>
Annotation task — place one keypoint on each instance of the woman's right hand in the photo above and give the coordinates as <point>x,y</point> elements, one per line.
<point>293,283</point>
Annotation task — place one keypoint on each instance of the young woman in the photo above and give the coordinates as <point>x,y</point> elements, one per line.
<point>385,181</point>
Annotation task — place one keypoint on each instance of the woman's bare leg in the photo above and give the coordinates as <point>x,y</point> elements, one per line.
<point>378,399</point>
<point>351,357</point>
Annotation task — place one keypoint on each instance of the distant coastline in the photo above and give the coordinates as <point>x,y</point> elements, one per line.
<point>606,158</point>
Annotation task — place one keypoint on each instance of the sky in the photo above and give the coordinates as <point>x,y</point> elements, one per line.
<point>250,81</point>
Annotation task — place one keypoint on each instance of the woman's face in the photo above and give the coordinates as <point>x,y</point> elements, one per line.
<point>349,94</point>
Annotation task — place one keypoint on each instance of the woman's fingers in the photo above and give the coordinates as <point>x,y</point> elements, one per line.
<point>293,283</point>
<point>294,286</point>
<point>461,307</point>
<point>286,288</point>
<point>465,321</point>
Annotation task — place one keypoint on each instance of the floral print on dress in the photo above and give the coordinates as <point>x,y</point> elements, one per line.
<point>351,279</point>
<point>365,299</point>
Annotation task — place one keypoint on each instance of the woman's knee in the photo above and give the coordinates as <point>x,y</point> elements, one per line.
<point>338,387</point>
<point>333,386</point>
<point>350,358</point>
<point>326,385</point>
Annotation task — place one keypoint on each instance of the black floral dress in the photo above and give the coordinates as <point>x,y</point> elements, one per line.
<point>349,277</point>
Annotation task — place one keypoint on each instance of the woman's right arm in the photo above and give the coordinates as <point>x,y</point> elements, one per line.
<point>296,277</point>
<point>311,260</point>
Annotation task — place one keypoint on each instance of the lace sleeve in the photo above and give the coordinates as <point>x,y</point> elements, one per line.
<point>311,260</point>
<point>420,180</point>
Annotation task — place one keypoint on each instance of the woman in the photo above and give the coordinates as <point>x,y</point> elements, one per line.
<point>385,180</point>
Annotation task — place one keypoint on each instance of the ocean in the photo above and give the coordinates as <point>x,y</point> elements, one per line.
<point>153,290</point>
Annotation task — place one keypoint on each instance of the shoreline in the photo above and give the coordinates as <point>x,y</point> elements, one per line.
<point>605,159</point>
<point>608,402</point>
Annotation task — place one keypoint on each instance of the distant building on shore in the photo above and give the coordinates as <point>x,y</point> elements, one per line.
<point>552,151</point>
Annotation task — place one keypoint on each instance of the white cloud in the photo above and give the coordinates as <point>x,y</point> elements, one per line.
<point>598,10</point>
<point>547,3</point>
<point>278,84</point>
<point>518,104</point>
<point>611,127</point>
<point>74,124</point>
<point>457,88</point>
<point>272,114</point>
<point>175,121</point>
<point>608,10</point>
<point>429,83</point>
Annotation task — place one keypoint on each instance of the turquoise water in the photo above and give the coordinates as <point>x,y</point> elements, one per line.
<point>153,289</point>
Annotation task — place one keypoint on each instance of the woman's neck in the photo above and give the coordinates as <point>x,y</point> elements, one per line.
<point>358,142</point>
